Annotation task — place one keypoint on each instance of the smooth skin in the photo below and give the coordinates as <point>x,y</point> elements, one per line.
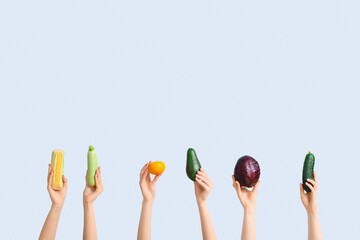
<point>89,196</point>
<point>248,201</point>
<point>48,231</point>
<point>148,190</point>
<point>310,203</point>
<point>203,186</point>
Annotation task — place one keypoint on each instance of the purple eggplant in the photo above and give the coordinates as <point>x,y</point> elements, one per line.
<point>247,171</point>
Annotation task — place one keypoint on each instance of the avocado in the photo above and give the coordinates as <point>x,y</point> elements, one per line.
<point>192,164</point>
<point>308,170</point>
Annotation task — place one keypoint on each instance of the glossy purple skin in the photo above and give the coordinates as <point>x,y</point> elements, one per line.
<point>247,171</point>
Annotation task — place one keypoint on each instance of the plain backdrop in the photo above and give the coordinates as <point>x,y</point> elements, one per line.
<point>145,80</point>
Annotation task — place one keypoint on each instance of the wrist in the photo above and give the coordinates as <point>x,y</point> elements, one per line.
<point>87,203</point>
<point>148,201</point>
<point>312,213</point>
<point>57,206</point>
<point>201,202</point>
<point>249,211</point>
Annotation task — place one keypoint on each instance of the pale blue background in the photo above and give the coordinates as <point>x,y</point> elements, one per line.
<point>145,80</point>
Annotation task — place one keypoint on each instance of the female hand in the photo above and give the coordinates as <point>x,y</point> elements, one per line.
<point>92,192</point>
<point>148,187</point>
<point>203,185</point>
<point>247,198</point>
<point>309,199</point>
<point>57,197</point>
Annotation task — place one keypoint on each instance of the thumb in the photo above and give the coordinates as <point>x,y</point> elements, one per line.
<point>156,178</point>
<point>256,186</point>
<point>50,175</point>
<point>65,181</point>
<point>238,188</point>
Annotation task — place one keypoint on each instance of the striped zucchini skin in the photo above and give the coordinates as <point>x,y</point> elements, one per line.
<point>308,170</point>
<point>57,164</point>
<point>92,163</point>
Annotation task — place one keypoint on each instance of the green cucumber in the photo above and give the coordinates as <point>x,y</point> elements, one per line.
<point>192,164</point>
<point>308,170</point>
<point>92,162</point>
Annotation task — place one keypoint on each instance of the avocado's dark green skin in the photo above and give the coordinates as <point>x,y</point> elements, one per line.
<point>192,164</point>
<point>308,170</point>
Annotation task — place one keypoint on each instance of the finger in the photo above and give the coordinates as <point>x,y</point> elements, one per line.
<point>144,172</point>
<point>65,182</point>
<point>210,183</point>
<point>312,182</point>
<point>315,178</point>
<point>238,188</point>
<point>204,179</point>
<point>50,179</point>
<point>201,183</point>
<point>99,179</point>
<point>147,176</point>
<point>143,169</point>
<point>256,186</point>
<point>234,182</point>
<point>49,173</point>
<point>98,182</point>
<point>156,178</point>
<point>311,187</point>
<point>203,171</point>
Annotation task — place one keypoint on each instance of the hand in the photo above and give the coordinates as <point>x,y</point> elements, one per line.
<point>57,197</point>
<point>92,192</point>
<point>203,185</point>
<point>247,198</point>
<point>148,187</point>
<point>309,199</point>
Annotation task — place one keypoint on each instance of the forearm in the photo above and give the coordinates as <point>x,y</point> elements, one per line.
<point>48,231</point>
<point>207,227</point>
<point>89,222</point>
<point>248,230</point>
<point>314,230</point>
<point>144,231</point>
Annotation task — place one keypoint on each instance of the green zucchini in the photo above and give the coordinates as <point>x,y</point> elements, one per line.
<point>308,170</point>
<point>192,164</point>
<point>92,162</point>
